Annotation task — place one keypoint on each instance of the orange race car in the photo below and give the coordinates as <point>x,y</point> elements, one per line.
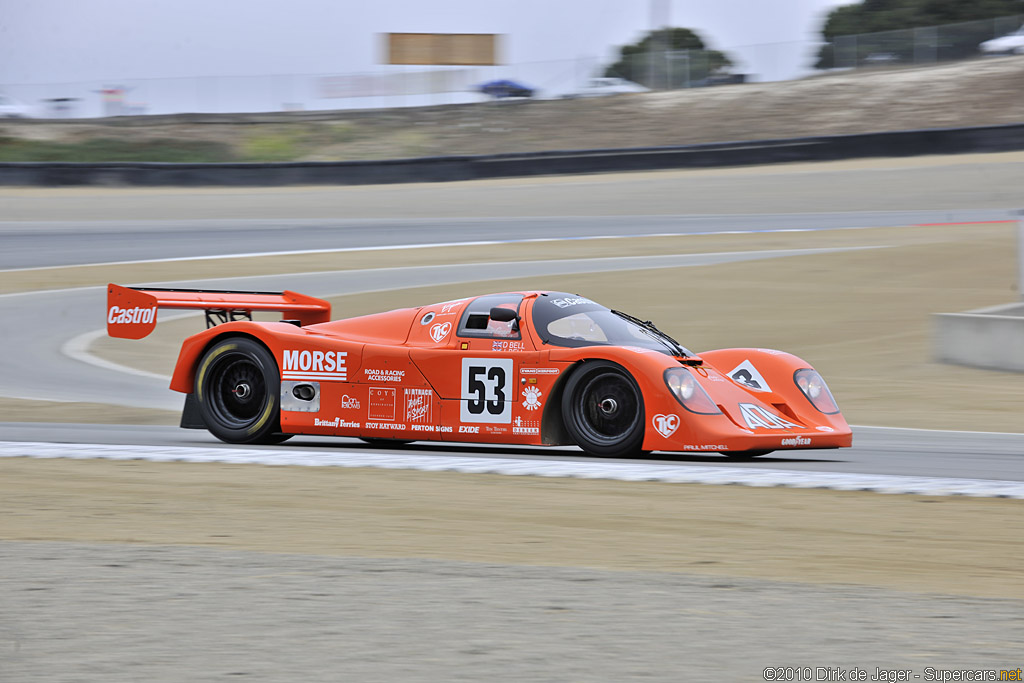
<point>536,368</point>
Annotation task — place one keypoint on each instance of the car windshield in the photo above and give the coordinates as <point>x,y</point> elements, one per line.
<point>573,321</point>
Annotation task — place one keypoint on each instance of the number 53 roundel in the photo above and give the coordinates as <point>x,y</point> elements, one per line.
<point>487,390</point>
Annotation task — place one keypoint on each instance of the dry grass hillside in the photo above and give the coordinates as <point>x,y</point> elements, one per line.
<point>977,92</point>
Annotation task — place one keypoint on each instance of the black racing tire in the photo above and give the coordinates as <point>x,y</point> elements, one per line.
<point>603,410</point>
<point>746,455</point>
<point>238,389</point>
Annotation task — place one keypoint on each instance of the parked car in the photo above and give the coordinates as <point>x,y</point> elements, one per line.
<point>11,108</point>
<point>599,87</point>
<point>882,58</point>
<point>1011,43</point>
<point>504,87</point>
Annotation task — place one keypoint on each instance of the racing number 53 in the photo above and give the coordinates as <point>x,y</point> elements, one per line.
<point>479,389</point>
<point>486,387</point>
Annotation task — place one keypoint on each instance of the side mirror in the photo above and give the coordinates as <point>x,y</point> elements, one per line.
<point>503,315</point>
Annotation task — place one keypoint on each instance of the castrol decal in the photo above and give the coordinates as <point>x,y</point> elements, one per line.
<point>133,322</point>
<point>129,316</point>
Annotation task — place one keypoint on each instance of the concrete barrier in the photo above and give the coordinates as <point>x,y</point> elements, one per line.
<point>991,338</point>
<point>451,168</point>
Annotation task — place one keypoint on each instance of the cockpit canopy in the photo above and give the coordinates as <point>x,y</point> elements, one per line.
<point>569,320</point>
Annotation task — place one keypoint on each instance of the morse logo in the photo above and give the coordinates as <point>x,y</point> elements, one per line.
<point>313,365</point>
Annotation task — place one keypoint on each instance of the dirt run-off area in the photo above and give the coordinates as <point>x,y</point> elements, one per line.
<point>972,93</point>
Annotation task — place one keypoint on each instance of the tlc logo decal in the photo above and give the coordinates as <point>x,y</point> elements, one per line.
<point>440,331</point>
<point>666,425</point>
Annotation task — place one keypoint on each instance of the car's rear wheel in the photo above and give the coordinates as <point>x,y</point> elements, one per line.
<point>603,410</point>
<point>239,392</point>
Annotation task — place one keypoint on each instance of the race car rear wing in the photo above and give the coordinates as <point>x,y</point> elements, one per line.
<point>131,311</point>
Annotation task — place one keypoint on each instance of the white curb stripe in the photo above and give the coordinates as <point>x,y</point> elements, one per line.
<point>677,474</point>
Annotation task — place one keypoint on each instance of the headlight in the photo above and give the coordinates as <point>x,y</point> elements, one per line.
<point>689,392</point>
<point>816,391</point>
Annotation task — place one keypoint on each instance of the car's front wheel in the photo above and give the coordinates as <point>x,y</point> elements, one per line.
<point>239,392</point>
<point>603,410</point>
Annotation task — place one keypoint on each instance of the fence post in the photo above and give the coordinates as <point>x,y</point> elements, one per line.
<point>1020,254</point>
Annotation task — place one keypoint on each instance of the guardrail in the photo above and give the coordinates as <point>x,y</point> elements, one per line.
<point>451,168</point>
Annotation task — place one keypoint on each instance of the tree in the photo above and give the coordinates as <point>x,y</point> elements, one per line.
<point>876,16</point>
<point>668,58</point>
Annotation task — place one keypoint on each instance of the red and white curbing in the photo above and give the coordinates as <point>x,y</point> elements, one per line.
<point>669,473</point>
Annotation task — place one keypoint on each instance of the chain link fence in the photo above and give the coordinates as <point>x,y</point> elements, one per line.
<point>927,45</point>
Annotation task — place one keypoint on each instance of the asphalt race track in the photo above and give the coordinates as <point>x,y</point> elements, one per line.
<point>877,451</point>
<point>47,244</point>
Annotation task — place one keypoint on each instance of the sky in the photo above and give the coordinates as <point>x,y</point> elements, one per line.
<point>72,40</point>
<point>116,41</point>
